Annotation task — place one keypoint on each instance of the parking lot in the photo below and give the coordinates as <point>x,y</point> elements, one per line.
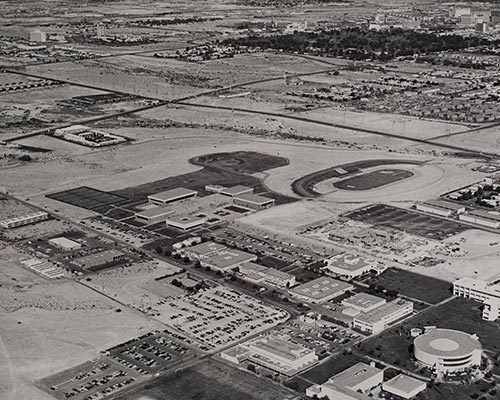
<point>90,381</point>
<point>407,221</point>
<point>219,316</point>
<point>149,354</point>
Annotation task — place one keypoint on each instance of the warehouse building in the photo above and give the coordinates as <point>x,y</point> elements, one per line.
<point>404,386</point>
<point>169,196</point>
<point>64,243</point>
<point>227,260</point>
<point>351,384</point>
<point>481,217</point>
<point>320,290</point>
<point>253,201</point>
<point>202,250</point>
<point>349,265</point>
<point>440,207</point>
<point>485,292</point>
<point>259,274</point>
<point>24,220</point>
<point>185,222</point>
<point>153,215</point>
<point>378,319</point>
<point>275,352</point>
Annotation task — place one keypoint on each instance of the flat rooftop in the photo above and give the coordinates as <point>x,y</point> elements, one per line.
<point>354,376</point>
<point>184,219</point>
<point>254,198</point>
<point>154,212</point>
<point>252,267</point>
<point>173,194</point>
<point>349,262</point>
<point>382,312</point>
<point>443,204</point>
<point>206,248</point>
<point>227,258</point>
<point>491,288</point>
<point>363,300</point>
<point>321,287</point>
<point>404,384</point>
<point>236,190</point>
<point>64,242</point>
<point>98,259</point>
<point>281,347</point>
<point>491,215</point>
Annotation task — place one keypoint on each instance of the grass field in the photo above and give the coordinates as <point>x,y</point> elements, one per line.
<point>372,180</point>
<point>88,198</point>
<point>324,371</point>
<point>407,221</point>
<point>415,286</point>
<point>211,380</point>
<point>247,162</point>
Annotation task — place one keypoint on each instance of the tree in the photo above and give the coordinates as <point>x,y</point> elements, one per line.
<point>159,250</point>
<point>252,368</point>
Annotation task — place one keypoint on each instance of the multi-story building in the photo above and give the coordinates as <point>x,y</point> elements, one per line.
<point>485,292</point>
<point>378,319</point>
<point>320,290</point>
<point>256,273</point>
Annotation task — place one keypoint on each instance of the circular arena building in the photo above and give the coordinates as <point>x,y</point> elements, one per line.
<point>448,351</point>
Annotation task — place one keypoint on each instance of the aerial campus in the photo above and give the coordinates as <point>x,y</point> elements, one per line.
<point>249,200</point>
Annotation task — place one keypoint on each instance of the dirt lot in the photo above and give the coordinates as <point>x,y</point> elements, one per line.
<point>48,327</point>
<point>211,380</point>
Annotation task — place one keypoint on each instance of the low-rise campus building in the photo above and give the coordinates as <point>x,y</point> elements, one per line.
<point>169,196</point>
<point>320,290</point>
<point>202,250</point>
<point>64,243</point>
<point>404,386</point>
<point>24,220</point>
<point>227,260</point>
<point>259,274</point>
<point>349,265</point>
<point>489,219</point>
<point>275,352</point>
<point>440,207</point>
<point>351,384</point>
<point>253,201</point>
<point>378,319</point>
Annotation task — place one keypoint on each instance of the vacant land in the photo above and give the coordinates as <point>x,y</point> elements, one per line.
<point>407,221</point>
<point>372,180</point>
<point>305,186</point>
<point>410,284</point>
<point>211,380</point>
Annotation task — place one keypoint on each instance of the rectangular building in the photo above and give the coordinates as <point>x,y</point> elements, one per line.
<point>320,290</point>
<point>64,243</point>
<point>256,273</point>
<point>378,319</point>
<point>234,191</point>
<point>349,265</point>
<point>153,215</point>
<point>169,196</point>
<point>275,352</point>
<point>487,293</point>
<point>404,386</point>
<point>481,217</point>
<point>185,222</point>
<point>101,259</point>
<point>253,201</point>
<point>227,260</point>
<point>24,220</point>
<point>350,384</point>
<point>363,302</point>
<point>202,250</point>
<point>440,207</point>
